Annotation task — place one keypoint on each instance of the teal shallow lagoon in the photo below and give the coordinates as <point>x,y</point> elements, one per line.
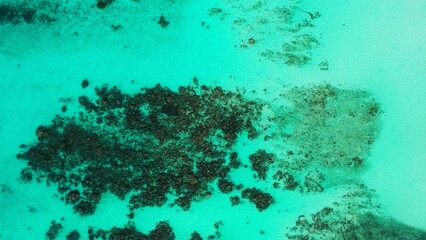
<point>378,50</point>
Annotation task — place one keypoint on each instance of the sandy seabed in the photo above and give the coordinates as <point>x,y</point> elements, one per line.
<point>272,120</point>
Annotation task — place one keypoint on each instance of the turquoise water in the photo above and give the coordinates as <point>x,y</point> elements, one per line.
<point>221,120</point>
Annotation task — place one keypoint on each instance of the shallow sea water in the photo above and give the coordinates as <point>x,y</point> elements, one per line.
<point>310,113</point>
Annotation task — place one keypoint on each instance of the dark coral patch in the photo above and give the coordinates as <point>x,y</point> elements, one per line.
<point>156,143</point>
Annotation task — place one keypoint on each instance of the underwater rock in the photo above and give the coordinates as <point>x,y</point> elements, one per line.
<point>73,196</point>
<point>85,83</point>
<point>332,127</point>
<point>195,236</point>
<point>161,133</point>
<point>324,65</point>
<point>26,175</point>
<point>234,162</point>
<point>335,224</point>
<point>85,208</point>
<point>286,178</point>
<point>313,181</point>
<point>5,189</point>
<point>101,4</point>
<point>261,199</point>
<point>251,41</point>
<point>260,161</point>
<point>16,14</point>
<point>21,13</point>
<point>54,230</point>
<point>73,235</point>
<point>162,231</point>
<point>163,22</point>
<point>235,200</point>
<point>225,186</point>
